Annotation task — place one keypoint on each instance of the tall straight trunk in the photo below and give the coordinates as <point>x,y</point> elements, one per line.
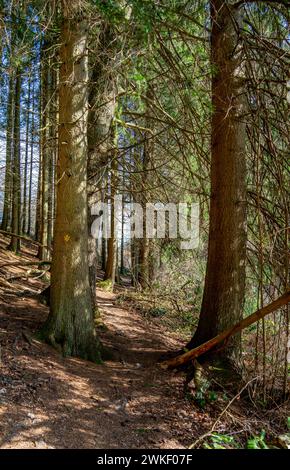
<point>45,152</point>
<point>27,117</point>
<point>38,215</point>
<point>104,253</point>
<point>224,290</point>
<point>16,179</point>
<point>70,325</point>
<point>52,154</point>
<point>31,166</point>
<point>2,27</point>
<point>38,199</point>
<point>101,112</point>
<point>6,216</point>
<point>143,275</point>
<point>55,135</point>
<point>110,272</point>
<point>122,246</point>
<point>103,241</point>
<point>133,240</point>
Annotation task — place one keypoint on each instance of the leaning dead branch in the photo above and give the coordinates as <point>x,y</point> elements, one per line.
<point>226,334</point>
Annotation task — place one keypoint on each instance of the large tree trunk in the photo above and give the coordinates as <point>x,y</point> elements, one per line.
<point>224,290</point>
<point>70,325</point>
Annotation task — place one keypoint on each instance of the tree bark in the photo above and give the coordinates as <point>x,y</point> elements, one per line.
<point>70,325</point>
<point>6,216</point>
<point>110,272</point>
<point>31,165</point>
<point>45,152</point>
<point>16,181</point>
<point>101,112</point>
<point>224,290</point>
<point>144,246</point>
<point>27,116</point>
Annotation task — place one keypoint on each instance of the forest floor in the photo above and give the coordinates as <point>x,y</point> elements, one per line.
<point>47,401</point>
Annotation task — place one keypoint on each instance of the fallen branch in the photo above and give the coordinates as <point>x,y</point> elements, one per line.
<point>24,263</point>
<point>203,348</point>
<point>26,239</point>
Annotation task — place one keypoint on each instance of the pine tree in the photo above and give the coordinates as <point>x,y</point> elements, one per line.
<point>70,325</point>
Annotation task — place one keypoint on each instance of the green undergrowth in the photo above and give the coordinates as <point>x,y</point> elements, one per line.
<point>178,318</point>
<point>105,285</point>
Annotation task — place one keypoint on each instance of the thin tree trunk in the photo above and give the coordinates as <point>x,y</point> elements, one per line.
<point>38,215</point>
<point>27,116</point>
<point>110,272</point>
<point>38,199</point>
<point>16,178</point>
<point>144,246</point>
<point>45,152</point>
<point>6,216</point>
<point>144,253</point>
<point>99,138</point>
<point>104,241</point>
<point>51,151</point>
<point>224,290</point>
<point>70,325</point>
<point>122,247</point>
<point>29,224</point>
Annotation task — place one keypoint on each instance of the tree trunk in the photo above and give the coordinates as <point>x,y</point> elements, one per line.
<point>16,181</point>
<point>38,199</point>
<point>52,153</point>
<point>101,112</point>
<point>70,325</point>
<point>110,272</point>
<point>27,116</point>
<point>122,245</point>
<point>144,246</point>
<point>45,153</point>
<point>103,241</point>
<point>144,253</point>
<point>38,215</point>
<point>6,216</point>
<point>224,290</point>
<point>31,166</point>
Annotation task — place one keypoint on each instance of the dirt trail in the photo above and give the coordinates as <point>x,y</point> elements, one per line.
<point>47,401</point>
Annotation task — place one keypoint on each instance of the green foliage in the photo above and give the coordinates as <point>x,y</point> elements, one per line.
<point>144,13</point>
<point>157,311</point>
<point>106,285</point>
<point>257,442</point>
<point>112,10</point>
<point>221,441</point>
<point>142,430</point>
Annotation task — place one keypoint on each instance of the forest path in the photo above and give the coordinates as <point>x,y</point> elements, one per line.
<point>47,401</point>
